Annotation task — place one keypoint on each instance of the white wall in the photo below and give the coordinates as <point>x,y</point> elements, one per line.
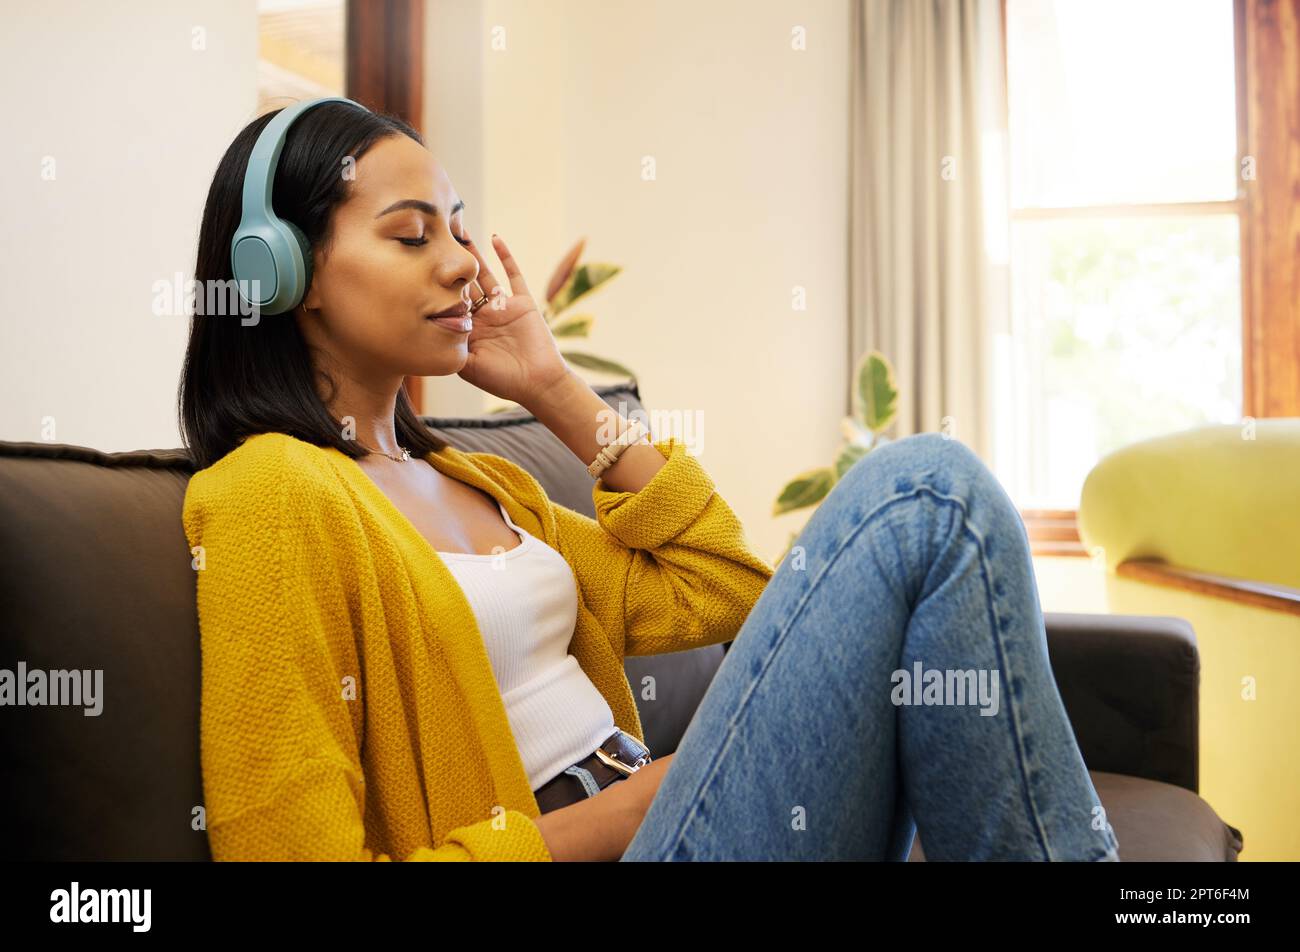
<point>134,118</point>
<point>545,141</point>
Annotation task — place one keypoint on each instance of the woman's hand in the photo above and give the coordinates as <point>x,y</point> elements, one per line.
<point>640,787</point>
<point>512,354</point>
<point>599,828</point>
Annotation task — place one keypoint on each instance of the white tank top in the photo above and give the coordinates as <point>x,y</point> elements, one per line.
<point>526,606</point>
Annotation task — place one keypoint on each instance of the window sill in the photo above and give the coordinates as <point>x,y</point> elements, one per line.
<point>1053,532</point>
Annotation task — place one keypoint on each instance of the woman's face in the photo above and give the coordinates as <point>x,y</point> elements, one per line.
<point>396,257</point>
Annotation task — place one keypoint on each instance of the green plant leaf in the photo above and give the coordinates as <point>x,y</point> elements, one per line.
<point>876,395</point>
<point>848,456</point>
<point>578,325</point>
<point>584,279</point>
<point>807,489</point>
<point>592,362</point>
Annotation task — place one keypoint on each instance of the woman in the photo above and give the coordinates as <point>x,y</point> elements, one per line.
<point>400,660</point>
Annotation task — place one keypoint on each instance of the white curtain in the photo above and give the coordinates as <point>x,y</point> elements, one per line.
<point>928,222</point>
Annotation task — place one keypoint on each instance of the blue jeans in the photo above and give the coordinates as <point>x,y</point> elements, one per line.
<point>891,681</point>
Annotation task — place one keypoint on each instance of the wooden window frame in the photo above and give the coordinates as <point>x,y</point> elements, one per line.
<point>1267,72</point>
<point>1268,110</point>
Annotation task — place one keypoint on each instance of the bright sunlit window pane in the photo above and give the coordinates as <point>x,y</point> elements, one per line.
<point>1125,324</point>
<point>1122,329</point>
<point>1121,101</point>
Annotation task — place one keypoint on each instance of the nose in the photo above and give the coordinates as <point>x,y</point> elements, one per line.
<point>459,269</point>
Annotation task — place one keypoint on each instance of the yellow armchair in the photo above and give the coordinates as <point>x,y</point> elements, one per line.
<point>1205,525</point>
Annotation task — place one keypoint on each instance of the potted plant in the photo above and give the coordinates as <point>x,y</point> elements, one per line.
<point>874,406</point>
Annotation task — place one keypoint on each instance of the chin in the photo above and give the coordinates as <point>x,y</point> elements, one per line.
<point>448,361</point>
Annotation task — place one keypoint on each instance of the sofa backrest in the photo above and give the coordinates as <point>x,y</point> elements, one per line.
<point>95,576</point>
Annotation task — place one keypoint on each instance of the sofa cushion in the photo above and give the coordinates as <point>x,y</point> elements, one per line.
<point>1156,822</point>
<point>95,575</point>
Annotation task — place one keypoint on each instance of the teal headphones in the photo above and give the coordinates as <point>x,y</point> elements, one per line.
<point>266,248</point>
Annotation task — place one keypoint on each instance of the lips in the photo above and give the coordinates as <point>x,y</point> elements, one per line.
<point>460,310</point>
<point>459,320</point>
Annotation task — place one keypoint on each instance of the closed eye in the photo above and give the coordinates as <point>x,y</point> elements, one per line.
<point>417,242</point>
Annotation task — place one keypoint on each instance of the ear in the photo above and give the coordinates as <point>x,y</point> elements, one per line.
<point>311,300</point>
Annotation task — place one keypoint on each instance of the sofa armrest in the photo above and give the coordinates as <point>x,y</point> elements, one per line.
<point>1130,685</point>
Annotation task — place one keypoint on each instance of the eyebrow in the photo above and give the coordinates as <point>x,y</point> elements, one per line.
<point>420,206</point>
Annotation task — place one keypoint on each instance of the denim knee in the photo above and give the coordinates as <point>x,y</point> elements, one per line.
<point>942,463</point>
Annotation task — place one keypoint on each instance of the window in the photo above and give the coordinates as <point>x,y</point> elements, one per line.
<point>1125,238</point>
<point>300,51</point>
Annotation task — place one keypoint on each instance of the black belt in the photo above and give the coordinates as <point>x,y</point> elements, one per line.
<point>619,756</point>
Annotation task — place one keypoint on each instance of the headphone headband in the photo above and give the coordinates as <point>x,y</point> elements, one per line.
<point>268,249</point>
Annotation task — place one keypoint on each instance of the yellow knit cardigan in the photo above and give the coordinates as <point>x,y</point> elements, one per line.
<point>349,710</point>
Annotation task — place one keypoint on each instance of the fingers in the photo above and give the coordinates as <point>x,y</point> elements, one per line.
<point>486,279</point>
<point>517,285</point>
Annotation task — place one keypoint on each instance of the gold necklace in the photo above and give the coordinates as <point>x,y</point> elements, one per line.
<point>406,454</point>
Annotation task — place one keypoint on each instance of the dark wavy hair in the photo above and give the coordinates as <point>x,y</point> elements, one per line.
<point>241,379</point>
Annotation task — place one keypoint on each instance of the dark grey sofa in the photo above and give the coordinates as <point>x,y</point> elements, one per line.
<point>95,574</point>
